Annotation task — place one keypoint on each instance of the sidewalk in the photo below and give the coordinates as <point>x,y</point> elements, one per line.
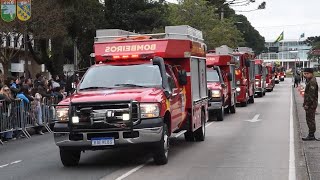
<point>311,149</point>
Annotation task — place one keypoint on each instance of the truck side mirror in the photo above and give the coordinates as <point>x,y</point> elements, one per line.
<point>229,77</point>
<point>247,63</point>
<point>223,86</point>
<point>182,77</point>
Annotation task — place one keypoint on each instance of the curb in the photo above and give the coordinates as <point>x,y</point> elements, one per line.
<point>300,142</point>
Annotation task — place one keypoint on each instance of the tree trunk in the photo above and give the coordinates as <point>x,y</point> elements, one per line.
<point>6,72</point>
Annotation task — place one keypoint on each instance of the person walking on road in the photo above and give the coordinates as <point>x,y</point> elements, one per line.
<point>297,80</point>
<point>310,102</point>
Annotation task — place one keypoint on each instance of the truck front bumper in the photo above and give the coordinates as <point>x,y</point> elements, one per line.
<point>258,90</point>
<point>146,132</point>
<point>214,105</point>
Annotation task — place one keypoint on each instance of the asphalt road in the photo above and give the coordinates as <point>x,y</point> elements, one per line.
<point>233,149</point>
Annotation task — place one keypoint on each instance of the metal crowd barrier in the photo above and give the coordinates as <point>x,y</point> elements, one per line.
<point>19,116</point>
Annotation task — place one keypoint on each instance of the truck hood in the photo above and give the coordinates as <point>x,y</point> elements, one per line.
<point>121,94</point>
<point>214,85</point>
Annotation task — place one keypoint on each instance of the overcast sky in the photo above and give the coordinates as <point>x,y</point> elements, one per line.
<point>294,17</point>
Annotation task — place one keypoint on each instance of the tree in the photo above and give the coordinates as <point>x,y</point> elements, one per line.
<point>201,15</point>
<point>251,36</point>
<point>314,53</point>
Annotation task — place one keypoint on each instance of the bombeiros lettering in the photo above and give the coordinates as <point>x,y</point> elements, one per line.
<point>132,48</point>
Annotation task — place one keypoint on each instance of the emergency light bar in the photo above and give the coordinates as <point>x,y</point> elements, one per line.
<point>126,57</point>
<point>223,50</point>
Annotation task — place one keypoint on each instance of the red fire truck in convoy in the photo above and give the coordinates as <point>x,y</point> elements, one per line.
<point>221,82</point>
<point>142,89</point>
<point>270,78</point>
<point>245,77</point>
<point>279,74</point>
<point>260,78</point>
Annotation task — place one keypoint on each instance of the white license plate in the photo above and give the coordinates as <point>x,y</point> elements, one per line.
<point>102,141</point>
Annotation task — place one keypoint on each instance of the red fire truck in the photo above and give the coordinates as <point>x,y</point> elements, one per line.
<point>279,74</point>
<point>142,89</point>
<point>245,77</point>
<point>260,78</point>
<point>221,82</point>
<point>270,78</point>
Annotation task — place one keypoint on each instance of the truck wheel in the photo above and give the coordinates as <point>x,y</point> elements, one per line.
<point>220,114</point>
<point>200,133</point>
<point>264,93</point>
<point>189,136</point>
<point>70,157</point>
<point>244,104</point>
<point>227,110</point>
<point>211,115</point>
<point>160,156</point>
<point>251,99</point>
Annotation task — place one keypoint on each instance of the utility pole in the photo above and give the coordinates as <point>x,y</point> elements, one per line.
<point>26,74</point>
<point>222,13</point>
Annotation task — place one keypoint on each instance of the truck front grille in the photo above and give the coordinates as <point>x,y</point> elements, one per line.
<point>103,115</point>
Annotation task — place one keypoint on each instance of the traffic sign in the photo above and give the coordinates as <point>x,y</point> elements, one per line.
<point>24,9</point>
<point>8,10</point>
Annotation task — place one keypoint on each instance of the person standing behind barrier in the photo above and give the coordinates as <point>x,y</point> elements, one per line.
<point>297,80</point>
<point>5,94</point>
<point>38,110</point>
<point>310,103</point>
<point>14,86</point>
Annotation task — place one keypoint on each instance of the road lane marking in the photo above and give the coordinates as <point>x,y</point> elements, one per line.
<point>131,171</point>
<point>142,165</point>
<point>292,166</point>
<point>5,165</point>
<point>14,162</point>
<point>209,124</point>
<point>255,118</point>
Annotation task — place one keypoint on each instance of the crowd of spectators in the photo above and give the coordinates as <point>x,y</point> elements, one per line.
<point>31,92</point>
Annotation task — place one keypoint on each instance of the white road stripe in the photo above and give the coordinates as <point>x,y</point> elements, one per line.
<point>209,124</point>
<point>14,162</point>
<point>5,165</point>
<point>292,166</point>
<point>133,171</point>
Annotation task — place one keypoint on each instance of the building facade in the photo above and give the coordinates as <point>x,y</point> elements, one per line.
<point>287,53</point>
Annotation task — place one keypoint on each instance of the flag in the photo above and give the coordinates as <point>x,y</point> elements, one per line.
<point>302,35</point>
<point>280,38</point>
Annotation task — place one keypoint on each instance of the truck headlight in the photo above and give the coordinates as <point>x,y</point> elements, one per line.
<point>257,82</point>
<point>62,114</point>
<point>149,110</point>
<point>238,82</point>
<point>238,89</point>
<point>216,93</point>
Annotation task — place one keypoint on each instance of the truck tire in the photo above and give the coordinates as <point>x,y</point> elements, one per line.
<point>189,136</point>
<point>160,156</point>
<point>244,104</point>
<point>200,133</point>
<point>211,115</point>
<point>70,157</point>
<point>220,114</point>
<point>251,99</point>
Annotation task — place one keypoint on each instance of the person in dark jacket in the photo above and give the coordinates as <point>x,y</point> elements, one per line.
<point>310,103</point>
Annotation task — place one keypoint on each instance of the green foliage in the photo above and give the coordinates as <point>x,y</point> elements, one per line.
<point>315,43</point>
<point>251,36</point>
<point>201,15</point>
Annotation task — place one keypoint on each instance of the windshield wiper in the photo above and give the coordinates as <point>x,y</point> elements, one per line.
<point>94,87</point>
<point>129,85</point>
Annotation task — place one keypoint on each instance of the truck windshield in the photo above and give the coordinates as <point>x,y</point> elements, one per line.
<point>108,76</point>
<point>213,76</point>
<point>257,69</point>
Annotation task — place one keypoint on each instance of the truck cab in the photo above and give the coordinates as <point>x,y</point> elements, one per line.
<point>270,78</point>
<point>245,76</point>
<point>260,78</point>
<point>221,82</point>
<point>140,91</point>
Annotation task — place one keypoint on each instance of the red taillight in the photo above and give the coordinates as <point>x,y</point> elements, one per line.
<point>135,56</point>
<point>116,57</point>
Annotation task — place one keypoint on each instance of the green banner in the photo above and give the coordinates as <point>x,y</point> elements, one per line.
<point>8,10</point>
